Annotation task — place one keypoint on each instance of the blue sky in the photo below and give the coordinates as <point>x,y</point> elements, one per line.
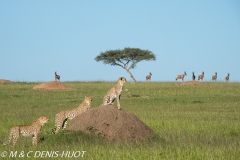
<point>40,37</point>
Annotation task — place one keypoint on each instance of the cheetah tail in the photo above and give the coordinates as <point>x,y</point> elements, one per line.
<point>5,143</point>
<point>8,141</point>
<point>53,131</point>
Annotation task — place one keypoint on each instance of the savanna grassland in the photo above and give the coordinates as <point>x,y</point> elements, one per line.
<point>190,122</point>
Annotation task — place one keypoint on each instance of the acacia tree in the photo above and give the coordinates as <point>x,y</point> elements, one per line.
<point>126,58</point>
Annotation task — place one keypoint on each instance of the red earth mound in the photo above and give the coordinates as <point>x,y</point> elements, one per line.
<point>190,83</point>
<point>53,85</point>
<point>4,81</point>
<point>112,124</point>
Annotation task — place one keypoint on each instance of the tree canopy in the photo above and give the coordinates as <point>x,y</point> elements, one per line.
<point>126,58</point>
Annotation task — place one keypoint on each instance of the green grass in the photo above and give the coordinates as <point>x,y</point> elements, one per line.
<point>190,122</point>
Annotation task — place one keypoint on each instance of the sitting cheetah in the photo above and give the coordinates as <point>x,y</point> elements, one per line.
<point>115,93</point>
<point>27,130</point>
<point>62,117</point>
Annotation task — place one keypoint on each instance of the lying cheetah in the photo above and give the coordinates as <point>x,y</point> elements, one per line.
<point>27,130</point>
<point>115,93</point>
<point>62,117</point>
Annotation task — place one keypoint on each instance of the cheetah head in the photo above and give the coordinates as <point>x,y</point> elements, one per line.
<point>88,100</point>
<point>43,120</point>
<point>122,80</point>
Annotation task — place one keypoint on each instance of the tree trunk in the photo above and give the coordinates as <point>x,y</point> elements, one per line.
<point>130,75</point>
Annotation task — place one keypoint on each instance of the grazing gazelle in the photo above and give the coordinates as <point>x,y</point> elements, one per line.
<point>181,76</point>
<point>201,76</point>
<point>227,77</point>
<point>57,76</point>
<point>148,77</point>
<point>214,77</point>
<point>193,76</point>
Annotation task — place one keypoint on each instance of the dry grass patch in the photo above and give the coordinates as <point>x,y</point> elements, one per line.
<point>191,83</point>
<point>2,81</point>
<point>53,85</point>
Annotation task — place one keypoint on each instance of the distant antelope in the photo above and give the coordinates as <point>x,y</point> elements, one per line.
<point>193,76</point>
<point>57,76</point>
<point>201,76</point>
<point>148,77</point>
<point>227,77</point>
<point>181,76</point>
<point>214,77</point>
